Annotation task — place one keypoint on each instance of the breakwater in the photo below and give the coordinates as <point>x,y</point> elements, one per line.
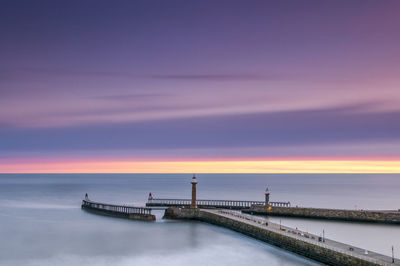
<point>120,211</point>
<point>308,245</point>
<point>387,217</point>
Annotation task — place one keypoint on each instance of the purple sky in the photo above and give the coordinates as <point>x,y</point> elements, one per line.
<point>199,79</point>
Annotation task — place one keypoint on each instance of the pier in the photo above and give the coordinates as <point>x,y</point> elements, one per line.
<point>207,204</point>
<point>370,216</point>
<point>220,213</point>
<point>121,211</point>
<point>212,204</point>
<point>308,245</point>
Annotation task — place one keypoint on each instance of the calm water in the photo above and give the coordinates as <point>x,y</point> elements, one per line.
<point>41,222</point>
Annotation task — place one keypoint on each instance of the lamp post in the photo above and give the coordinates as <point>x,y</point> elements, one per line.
<point>392,254</point>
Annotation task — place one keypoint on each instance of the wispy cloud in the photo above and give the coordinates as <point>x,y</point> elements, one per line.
<point>132,96</point>
<point>263,129</point>
<point>212,77</point>
<point>27,73</point>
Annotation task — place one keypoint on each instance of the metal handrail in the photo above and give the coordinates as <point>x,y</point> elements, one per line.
<point>116,208</point>
<point>214,202</point>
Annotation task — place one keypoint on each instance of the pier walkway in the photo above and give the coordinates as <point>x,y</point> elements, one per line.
<point>350,250</point>
<point>123,211</point>
<point>206,204</point>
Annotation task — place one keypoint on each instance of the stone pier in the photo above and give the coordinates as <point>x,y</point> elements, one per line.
<point>387,217</point>
<point>329,252</point>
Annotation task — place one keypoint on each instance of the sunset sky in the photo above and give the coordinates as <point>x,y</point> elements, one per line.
<point>200,86</point>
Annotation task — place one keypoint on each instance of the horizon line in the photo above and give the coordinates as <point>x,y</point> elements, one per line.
<point>202,167</point>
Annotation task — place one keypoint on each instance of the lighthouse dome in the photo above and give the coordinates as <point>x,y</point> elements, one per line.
<point>194,180</point>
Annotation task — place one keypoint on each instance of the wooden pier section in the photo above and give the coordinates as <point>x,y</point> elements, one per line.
<point>209,204</point>
<point>122,211</point>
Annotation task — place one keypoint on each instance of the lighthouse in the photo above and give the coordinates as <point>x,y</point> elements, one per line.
<point>194,183</point>
<point>267,197</point>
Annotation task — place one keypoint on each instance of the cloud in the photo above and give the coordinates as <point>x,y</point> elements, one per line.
<point>212,77</point>
<point>132,96</point>
<point>29,73</point>
<point>278,129</point>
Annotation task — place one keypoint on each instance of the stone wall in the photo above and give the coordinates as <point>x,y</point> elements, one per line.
<point>297,246</point>
<point>131,216</point>
<point>392,217</point>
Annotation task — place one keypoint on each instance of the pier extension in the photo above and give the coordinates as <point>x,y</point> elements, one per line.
<point>121,211</point>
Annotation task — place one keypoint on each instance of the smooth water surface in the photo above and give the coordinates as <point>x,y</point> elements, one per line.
<point>41,222</point>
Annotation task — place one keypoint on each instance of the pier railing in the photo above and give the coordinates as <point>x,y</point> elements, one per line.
<point>279,204</point>
<point>236,204</point>
<point>115,208</point>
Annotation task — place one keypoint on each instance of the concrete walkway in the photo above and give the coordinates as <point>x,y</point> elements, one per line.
<point>357,252</point>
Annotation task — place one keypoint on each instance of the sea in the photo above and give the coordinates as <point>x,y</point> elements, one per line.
<point>42,223</point>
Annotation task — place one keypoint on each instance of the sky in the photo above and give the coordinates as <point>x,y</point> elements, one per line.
<point>199,86</point>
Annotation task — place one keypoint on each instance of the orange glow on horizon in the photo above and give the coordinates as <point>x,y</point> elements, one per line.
<point>199,166</point>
